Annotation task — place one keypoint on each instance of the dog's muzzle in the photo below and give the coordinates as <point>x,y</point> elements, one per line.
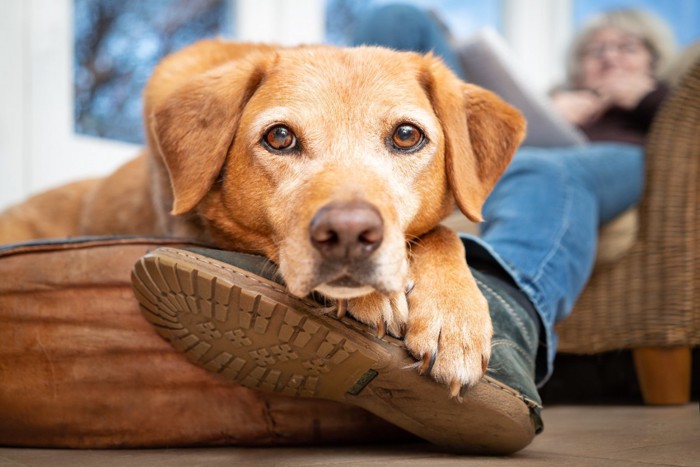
<point>349,263</point>
<point>346,232</point>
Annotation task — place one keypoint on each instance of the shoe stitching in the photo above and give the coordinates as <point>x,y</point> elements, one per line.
<point>507,343</point>
<point>513,392</point>
<point>355,326</point>
<point>508,307</point>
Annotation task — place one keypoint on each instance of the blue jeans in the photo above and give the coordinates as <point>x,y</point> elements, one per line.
<point>542,220</point>
<point>406,27</point>
<point>543,216</point>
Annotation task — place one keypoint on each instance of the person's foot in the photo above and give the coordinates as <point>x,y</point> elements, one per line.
<point>226,312</point>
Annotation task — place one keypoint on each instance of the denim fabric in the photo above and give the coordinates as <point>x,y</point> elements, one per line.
<point>406,27</point>
<point>543,216</point>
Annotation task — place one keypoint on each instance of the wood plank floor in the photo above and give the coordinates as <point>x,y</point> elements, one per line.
<point>574,435</point>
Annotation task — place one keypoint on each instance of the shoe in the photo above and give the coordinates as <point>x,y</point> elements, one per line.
<point>229,313</point>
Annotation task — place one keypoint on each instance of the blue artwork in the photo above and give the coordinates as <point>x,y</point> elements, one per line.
<point>116,45</point>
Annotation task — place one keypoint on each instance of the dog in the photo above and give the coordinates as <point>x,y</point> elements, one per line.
<point>338,164</point>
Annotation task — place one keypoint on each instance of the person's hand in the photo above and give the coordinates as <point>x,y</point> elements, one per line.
<point>579,107</point>
<point>625,89</point>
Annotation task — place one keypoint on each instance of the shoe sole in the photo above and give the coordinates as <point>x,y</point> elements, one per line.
<point>252,331</point>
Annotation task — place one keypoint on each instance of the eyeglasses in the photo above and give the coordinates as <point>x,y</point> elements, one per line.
<point>625,47</point>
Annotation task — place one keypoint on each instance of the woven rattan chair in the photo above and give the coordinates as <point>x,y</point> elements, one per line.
<point>648,300</point>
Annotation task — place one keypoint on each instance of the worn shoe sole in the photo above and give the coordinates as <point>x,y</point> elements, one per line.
<point>252,331</point>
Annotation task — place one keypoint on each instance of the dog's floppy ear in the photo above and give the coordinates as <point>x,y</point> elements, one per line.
<point>481,131</point>
<point>195,125</point>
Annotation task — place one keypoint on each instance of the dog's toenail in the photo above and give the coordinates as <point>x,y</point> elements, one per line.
<point>455,390</point>
<point>428,362</point>
<point>381,329</point>
<point>342,305</point>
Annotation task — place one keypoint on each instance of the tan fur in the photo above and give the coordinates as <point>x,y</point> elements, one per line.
<point>54,213</point>
<point>206,175</point>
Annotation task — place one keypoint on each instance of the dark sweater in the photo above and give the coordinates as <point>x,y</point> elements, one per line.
<point>627,126</point>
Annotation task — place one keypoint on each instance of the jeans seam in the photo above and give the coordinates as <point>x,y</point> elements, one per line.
<point>560,235</point>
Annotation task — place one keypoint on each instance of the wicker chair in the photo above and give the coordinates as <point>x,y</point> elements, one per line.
<point>648,300</point>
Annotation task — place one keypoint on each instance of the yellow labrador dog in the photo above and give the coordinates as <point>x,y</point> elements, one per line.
<point>337,164</point>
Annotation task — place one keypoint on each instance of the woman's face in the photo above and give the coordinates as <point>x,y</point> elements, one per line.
<point>611,52</point>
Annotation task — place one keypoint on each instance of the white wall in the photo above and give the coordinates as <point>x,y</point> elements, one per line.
<point>38,148</point>
<point>13,183</point>
<point>539,31</point>
<point>287,22</point>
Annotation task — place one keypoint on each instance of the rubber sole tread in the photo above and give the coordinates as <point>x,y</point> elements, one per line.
<point>244,335</point>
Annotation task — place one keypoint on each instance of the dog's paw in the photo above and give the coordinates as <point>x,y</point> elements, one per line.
<point>450,334</point>
<point>386,314</point>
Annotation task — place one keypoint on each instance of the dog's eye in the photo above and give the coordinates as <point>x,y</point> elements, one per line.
<point>407,137</point>
<point>280,138</point>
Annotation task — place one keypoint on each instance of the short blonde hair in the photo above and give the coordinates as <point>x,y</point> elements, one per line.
<point>654,33</point>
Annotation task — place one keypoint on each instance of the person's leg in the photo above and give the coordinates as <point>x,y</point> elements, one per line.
<point>406,27</point>
<point>543,216</point>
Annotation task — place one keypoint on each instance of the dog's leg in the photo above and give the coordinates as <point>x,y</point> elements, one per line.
<point>449,327</point>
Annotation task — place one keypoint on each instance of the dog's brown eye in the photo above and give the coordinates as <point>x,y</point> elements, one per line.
<point>407,137</point>
<point>280,138</point>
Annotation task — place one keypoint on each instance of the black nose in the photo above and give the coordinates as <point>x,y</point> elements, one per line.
<point>347,231</point>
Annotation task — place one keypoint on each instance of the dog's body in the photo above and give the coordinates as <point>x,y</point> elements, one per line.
<point>337,164</point>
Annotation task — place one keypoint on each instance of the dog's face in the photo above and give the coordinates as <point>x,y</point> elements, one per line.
<point>329,160</point>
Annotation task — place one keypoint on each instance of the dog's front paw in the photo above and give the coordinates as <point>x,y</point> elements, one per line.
<point>386,314</point>
<point>450,333</point>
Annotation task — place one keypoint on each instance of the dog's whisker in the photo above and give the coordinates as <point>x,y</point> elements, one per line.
<point>271,269</point>
<point>412,366</point>
<point>410,239</point>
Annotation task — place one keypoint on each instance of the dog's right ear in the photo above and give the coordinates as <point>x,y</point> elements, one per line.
<point>482,132</point>
<point>195,125</point>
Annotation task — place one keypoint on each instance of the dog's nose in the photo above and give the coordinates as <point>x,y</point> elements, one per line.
<point>347,231</point>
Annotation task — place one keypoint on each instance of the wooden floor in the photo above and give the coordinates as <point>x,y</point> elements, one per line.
<point>574,435</point>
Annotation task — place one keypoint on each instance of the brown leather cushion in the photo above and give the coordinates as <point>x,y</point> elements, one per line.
<point>80,367</point>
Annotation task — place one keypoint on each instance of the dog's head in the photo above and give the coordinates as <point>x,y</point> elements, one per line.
<point>330,160</point>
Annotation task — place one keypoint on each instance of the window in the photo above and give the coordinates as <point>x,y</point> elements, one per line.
<point>116,45</point>
<point>64,57</point>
